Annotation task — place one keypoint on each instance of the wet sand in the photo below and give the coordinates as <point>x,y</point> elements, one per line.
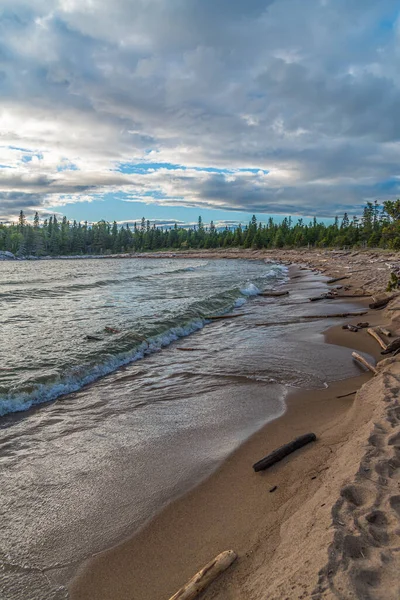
<point>281,537</point>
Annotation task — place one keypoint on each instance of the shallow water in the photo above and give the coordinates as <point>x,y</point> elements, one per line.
<point>80,474</point>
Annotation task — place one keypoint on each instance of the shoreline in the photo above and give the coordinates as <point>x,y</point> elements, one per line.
<point>200,527</point>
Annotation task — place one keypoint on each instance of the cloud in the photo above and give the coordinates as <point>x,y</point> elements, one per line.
<point>267,106</point>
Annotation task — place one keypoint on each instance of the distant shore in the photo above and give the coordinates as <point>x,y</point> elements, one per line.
<point>322,524</point>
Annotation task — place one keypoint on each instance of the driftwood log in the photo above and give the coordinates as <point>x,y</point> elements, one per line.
<point>283,451</point>
<point>346,395</point>
<point>351,328</point>
<point>377,337</point>
<point>327,296</point>
<point>203,578</point>
<point>392,347</point>
<point>364,362</point>
<point>267,294</point>
<point>384,331</point>
<point>381,303</point>
<point>335,279</point>
<point>363,324</point>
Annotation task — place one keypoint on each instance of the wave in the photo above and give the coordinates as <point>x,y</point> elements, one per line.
<point>47,392</point>
<point>250,290</point>
<point>60,290</point>
<point>130,347</point>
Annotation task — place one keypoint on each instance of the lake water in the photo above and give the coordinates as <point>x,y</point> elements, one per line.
<point>171,394</point>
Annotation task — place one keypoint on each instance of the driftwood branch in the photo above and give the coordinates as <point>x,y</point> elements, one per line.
<point>283,451</point>
<point>335,279</point>
<point>267,294</point>
<point>377,337</point>
<point>384,331</point>
<point>346,395</point>
<point>351,328</point>
<point>392,347</point>
<point>381,303</point>
<point>203,578</point>
<point>364,362</point>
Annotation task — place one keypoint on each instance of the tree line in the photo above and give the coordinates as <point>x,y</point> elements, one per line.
<point>379,226</point>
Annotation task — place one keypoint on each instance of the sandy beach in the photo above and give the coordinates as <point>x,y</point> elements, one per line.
<point>323,523</point>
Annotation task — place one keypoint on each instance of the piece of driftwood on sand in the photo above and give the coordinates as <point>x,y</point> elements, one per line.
<point>322,297</point>
<point>346,395</point>
<point>203,578</point>
<point>351,328</point>
<point>283,451</point>
<point>335,279</point>
<point>381,303</point>
<point>384,331</point>
<point>364,362</point>
<point>392,347</point>
<point>377,337</point>
<point>273,294</point>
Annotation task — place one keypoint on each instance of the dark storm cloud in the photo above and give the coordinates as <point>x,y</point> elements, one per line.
<point>308,91</point>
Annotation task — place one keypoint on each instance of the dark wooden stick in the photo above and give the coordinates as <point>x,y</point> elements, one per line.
<point>381,303</point>
<point>337,279</point>
<point>283,451</point>
<point>345,395</point>
<point>350,328</point>
<point>273,294</point>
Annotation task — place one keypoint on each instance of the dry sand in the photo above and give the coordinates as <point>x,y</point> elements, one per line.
<point>331,527</point>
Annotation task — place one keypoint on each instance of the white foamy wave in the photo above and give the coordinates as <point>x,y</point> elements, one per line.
<point>48,392</point>
<point>250,290</point>
<point>239,302</point>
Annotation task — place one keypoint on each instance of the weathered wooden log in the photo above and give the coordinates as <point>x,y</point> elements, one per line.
<point>350,327</point>
<point>363,324</point>
<point>384,331</point>
<point>283,451</point>
<point>346,395</point>
<point>273,294</point>
<point>335,279</point>
<point>207,575</point>
<point>364,362</point>
<point>377,337</point>
<point>392,347</point>
<point>218,317</point>
<point>327,296</point>
<point>381,303</point>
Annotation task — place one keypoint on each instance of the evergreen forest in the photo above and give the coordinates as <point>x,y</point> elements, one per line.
<point>379,226</point>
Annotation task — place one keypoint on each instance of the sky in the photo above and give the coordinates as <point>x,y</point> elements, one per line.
<point>118,109</point>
